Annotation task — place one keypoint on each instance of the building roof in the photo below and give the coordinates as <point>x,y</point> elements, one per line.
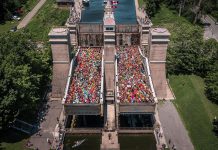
<point>58,32</point>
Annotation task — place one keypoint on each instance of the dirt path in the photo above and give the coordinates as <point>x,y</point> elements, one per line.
<point>30,15</point>
<point>173,127</point>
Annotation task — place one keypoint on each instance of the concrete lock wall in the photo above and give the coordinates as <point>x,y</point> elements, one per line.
<point>60,52</point>
<point>127,39</point>
<point>127,28</point>
<point>90,34</point>
<point>60,44</point>
<point>127,35</point>
<point>91,39</point>
<point>158,52</point>
<point>82,109</point>
<point>90,28</point>
<point>159,38</point>
<point>136,108</point>
<point>159,79</point>
<point>59,79</point>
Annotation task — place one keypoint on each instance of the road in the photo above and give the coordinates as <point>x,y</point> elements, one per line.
<point>173,127</point>
<point>30,15</point>
<point>212,30</point>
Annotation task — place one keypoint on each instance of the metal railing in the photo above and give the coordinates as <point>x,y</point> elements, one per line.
<point>146,63</point>
<point>69,76</point>
<point>136,128</point>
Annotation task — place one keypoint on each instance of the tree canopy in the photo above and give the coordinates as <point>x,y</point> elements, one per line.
<point>152,7</point>
<point>24,69</point>
<point>194,9</point>
<point>11,7</point>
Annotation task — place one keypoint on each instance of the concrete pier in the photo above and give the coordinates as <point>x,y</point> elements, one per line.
<point>110,134</point>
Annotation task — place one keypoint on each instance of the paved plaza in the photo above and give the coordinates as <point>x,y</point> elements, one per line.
<point>47,127</point>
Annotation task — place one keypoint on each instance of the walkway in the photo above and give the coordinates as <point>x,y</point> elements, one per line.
<point>109,59</point>
<point>30,15</point>
<point>212,30</point>
<point>139,11</point>
<point>47,126</point>
<point>110,135</point>
<point>173,127</point>
<point>110,117</point>
<point>141,14</point>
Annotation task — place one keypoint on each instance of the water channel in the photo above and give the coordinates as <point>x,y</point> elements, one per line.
<point>127,142</point>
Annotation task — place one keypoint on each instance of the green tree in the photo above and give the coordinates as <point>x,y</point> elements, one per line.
<point>211,78</point>
<point>184,50</point>
<point>8,7</point>
<point>24,70</point>
<point>152,7</point>
<point>212,86</point>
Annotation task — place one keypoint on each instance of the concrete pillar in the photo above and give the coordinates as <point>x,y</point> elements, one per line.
<point>60,45</point>
<point>73,33</point>
<point>159,39</point>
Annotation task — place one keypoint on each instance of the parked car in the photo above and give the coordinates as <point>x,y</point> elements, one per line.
<point>13,29</point>
<point>16,17</point>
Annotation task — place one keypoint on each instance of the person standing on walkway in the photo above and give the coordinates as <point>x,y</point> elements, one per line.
<point>47,140</point>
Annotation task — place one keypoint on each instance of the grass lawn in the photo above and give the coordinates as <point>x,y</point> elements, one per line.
<point>49,16</point>
<point>9,24</point>
<point>13,140</point>
<point>195,110</point>
<point>141,2</point>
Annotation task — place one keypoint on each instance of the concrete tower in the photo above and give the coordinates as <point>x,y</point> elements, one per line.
<point>159,40</point>
<point>109,25</point>
<point>59,39</point>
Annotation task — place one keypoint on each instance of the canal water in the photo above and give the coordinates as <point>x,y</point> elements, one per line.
<point>127,142</point>
<point>92,142</point>
<point>93,13</point>
<point>137,142</point>
<point>124,13</point>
